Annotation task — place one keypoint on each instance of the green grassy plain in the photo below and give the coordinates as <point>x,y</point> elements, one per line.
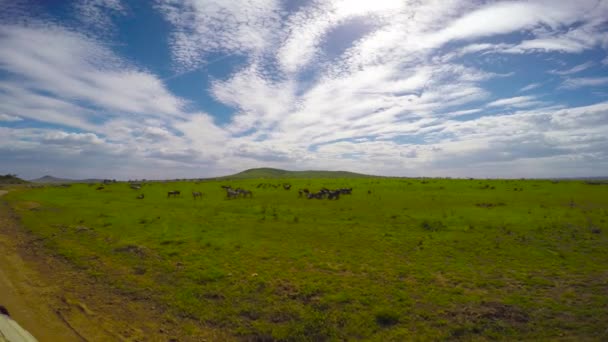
<point>412,260</point>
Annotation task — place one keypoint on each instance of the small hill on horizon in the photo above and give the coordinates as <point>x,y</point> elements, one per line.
<point>270,173</point>
<point>11,179</point>
<point>55,180</point>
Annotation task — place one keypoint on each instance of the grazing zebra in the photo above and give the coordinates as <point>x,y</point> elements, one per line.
<point>174,193</point>
<point>231,193</point>
<point>196,194</point>
<point>245,193</point>
<point>286,186</point>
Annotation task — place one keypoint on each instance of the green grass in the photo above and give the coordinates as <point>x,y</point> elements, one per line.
<point>411,259</point>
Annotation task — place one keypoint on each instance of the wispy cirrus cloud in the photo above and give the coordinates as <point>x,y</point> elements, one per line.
<point>97,14</point>
<point>9,118</point>
<point>518,101</point>
<point>79,68</point>
<point>581,82</point>
<point>575,69</point>
<point>531,86</point>
<point>203,27</point>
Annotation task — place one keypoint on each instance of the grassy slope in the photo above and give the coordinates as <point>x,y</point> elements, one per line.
<point>413,259</point>
<point>11,179</point>
<point>270,173</point>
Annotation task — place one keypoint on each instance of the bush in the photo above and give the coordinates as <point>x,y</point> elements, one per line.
<point>387,317</point>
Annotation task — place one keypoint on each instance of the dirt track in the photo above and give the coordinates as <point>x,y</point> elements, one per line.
<point>54,302</point>
<point>24,294</point>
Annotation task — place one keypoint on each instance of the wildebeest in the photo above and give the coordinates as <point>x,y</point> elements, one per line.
<point>286,186</point>
<point>301,192</point>
<point>100,188</point>
<point>141,196</point>
<point>196,194</point>
<point>174,193</point>
<point>334,195</point>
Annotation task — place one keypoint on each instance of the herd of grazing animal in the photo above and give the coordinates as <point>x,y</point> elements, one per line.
<point>325,193</point>
<point>285,186</point>
<point>236,193</point>
<point>232,193</point>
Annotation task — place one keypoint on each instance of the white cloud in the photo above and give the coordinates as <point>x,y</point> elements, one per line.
<point>575,69</point>
<point>232,27</point>
<point>531,86</point>
<point>77,139</point>
<point>9,118</point>
<point>71,66</point>
<point>518,101</point>
<point>580,82</point>
<point>98,13</point>
<point>396,98</point>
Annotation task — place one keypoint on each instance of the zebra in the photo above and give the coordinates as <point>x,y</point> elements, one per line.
<point>174,193</point>
<point>196,194</point>
<point>231,193</point>
<point>245,193</point>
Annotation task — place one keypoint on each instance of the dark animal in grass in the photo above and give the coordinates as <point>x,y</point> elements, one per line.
<point>317,195</point>
<point>197,194</point>
<point>174,193</point>
<point>100,188</point>
<point>286,186</point>
<point>333,195</point>
<point>141,196</point>
<point>301,192</point>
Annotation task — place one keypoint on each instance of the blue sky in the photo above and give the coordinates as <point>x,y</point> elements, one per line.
<point>195,88</point>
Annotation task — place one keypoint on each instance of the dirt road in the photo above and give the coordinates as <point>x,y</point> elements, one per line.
<point>55,302</point>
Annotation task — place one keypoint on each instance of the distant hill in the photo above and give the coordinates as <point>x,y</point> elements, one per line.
<point>11,179</point>
<point>54,180</point>
<point>269,173</point>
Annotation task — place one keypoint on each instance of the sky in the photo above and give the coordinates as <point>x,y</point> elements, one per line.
<point>198,88</point>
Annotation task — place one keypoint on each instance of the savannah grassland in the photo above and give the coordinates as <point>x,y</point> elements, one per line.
<point>412,260</point>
